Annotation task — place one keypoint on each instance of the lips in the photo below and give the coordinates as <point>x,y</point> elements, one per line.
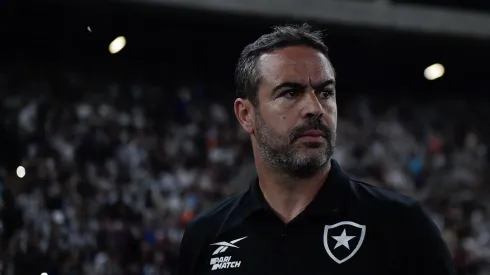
<point>313,133</point>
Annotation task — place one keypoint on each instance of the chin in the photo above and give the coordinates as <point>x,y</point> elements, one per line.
<point>314,145</point>
<point>316,157</point>
<point>307,168</point>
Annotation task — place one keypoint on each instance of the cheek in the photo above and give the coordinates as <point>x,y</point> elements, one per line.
<point>331,107</point>
<point>279,119</point>
<point>331,114</point>
<point>279,124</point>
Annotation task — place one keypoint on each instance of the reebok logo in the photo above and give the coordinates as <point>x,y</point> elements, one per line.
<point>223,246</point>
<point>224,262</point>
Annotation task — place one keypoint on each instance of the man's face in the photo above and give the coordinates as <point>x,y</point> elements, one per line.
<point>296,117</point>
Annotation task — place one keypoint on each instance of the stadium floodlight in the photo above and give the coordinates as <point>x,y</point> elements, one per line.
<point>117,45</point>
<point>21,172</point>
<point>434,71</point>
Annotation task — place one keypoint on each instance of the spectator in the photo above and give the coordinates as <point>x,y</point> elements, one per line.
<point>113,180</point>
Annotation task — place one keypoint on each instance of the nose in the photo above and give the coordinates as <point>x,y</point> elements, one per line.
<point>311,105</point>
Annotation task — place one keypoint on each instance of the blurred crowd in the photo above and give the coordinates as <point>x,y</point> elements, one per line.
<point>116,169</point>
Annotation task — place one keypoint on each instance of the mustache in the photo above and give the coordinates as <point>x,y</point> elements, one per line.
<point>313,123</point>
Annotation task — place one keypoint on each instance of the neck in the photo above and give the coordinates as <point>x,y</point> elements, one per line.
<point>288,196</point>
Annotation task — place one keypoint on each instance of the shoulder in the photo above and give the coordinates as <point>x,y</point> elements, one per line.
<point>200,230</point>
<point>385,201</point>
<point>404,219</point>
<point>209,221</point>
<point>379,194</point>
<point>398,214</point>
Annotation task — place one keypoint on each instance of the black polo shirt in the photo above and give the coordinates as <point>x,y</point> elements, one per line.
<point>349,228</point>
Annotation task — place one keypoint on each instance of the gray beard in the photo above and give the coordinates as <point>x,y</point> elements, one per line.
<point>281,156</point>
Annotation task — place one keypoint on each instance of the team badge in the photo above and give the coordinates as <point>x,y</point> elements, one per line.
<point>342,240</point>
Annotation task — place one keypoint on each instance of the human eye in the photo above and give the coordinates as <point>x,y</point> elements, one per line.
<point>326,93</point>
<point>290,93</point>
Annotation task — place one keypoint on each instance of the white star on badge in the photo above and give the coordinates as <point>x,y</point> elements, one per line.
<point>343,239</point>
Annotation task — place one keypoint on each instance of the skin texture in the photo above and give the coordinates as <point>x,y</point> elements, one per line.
<point>296,94</point>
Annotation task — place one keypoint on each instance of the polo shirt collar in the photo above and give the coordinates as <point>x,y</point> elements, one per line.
<point>327,201</point>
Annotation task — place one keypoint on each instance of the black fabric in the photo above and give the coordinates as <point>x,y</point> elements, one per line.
<point>349,228</point>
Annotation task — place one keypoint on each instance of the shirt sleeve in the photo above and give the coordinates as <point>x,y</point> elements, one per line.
<point>428,253</point>
<point>191,245</point>
<point>187,257</point>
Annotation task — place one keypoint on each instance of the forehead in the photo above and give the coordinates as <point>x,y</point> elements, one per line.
<point>295,64</point>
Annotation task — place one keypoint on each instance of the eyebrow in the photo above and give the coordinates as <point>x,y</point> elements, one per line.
<point>296,85</point>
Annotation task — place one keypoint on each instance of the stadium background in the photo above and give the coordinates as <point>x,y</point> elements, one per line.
<point>121,150</point>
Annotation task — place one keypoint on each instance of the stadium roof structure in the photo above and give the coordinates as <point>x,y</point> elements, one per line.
<point>397,15</point>
<point>164,42</point>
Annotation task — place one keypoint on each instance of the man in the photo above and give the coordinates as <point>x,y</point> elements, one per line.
<point>303,215</point>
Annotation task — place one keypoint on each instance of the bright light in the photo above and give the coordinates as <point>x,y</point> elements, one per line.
<point>117,45</point>
<point>44,273</point>
<point>21,172</point>
<point>434,71</point>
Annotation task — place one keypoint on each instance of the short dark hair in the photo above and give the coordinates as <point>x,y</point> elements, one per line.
<point>247,74</point>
